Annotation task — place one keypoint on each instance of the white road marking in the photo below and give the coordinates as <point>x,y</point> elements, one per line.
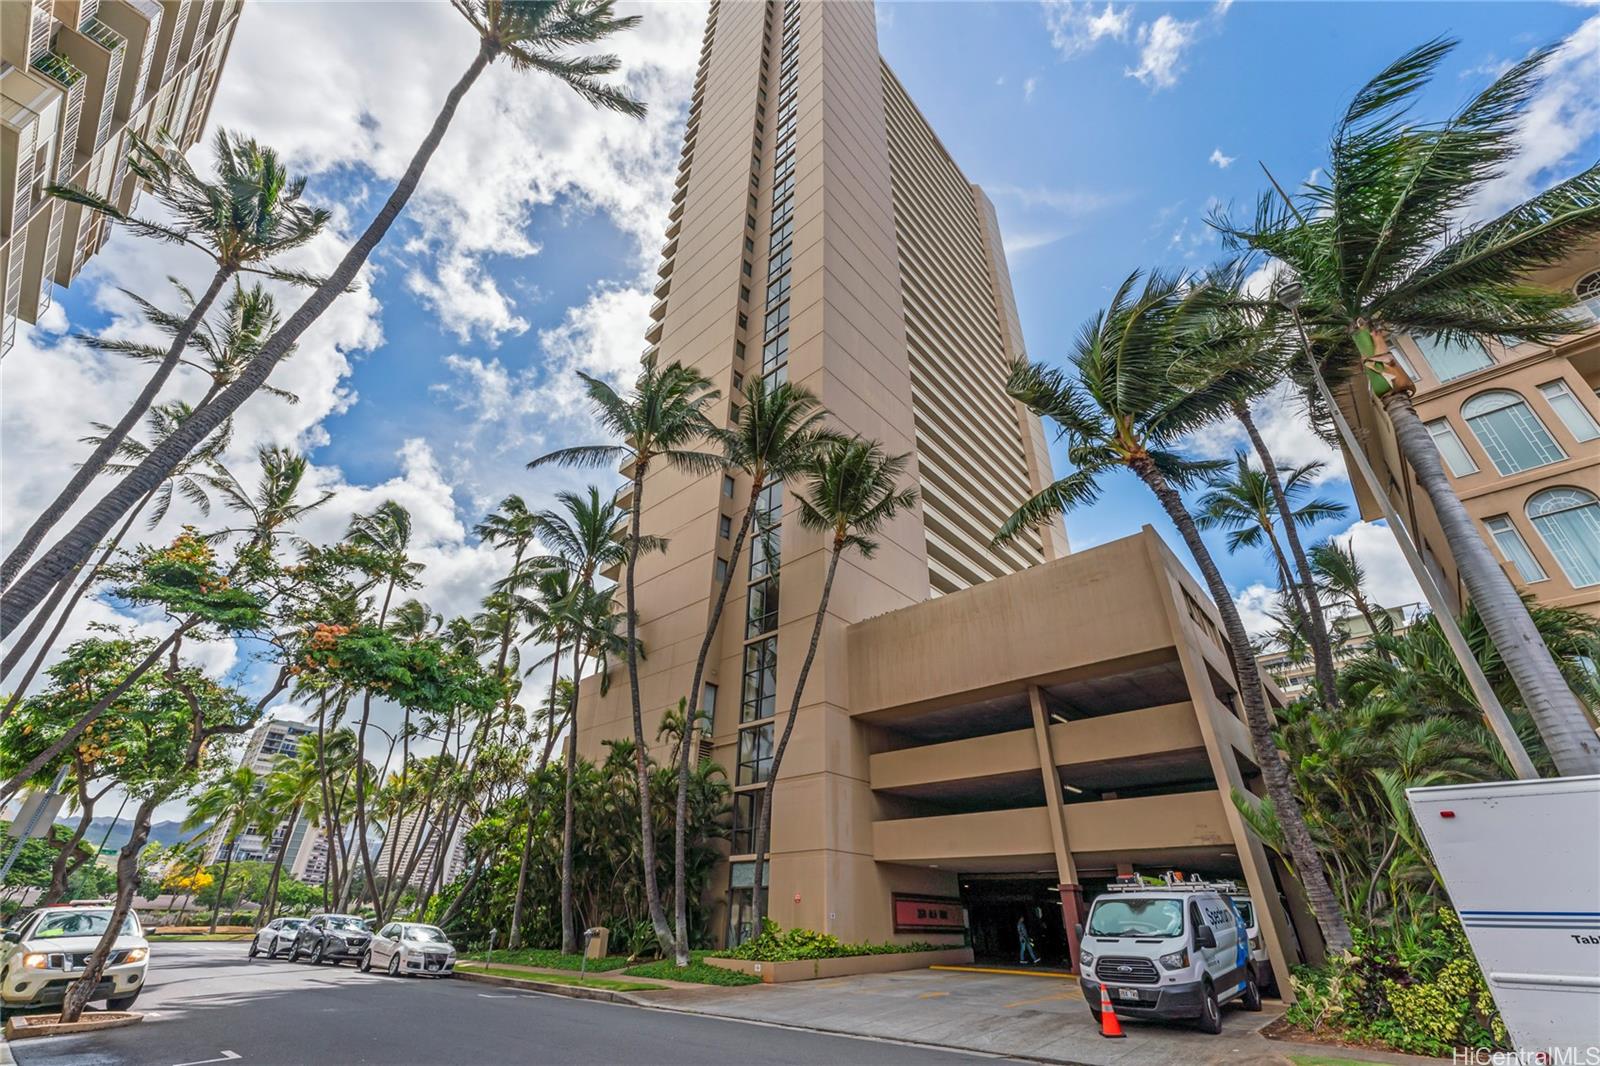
<point>227,1056</point>
<point>486,995</point>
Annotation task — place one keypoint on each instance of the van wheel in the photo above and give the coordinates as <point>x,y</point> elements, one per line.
<point>1210,1014</point>
<point>1251,999</point>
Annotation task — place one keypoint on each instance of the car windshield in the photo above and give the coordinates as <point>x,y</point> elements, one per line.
<point>81,923</point>
<point>339,921</point>
<point>426,933</point>
<point>1136,917</point>
<point>1246,911</point>
<point>293,923</point>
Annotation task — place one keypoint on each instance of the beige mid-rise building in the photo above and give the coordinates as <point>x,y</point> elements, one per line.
<point>1518,428</point>
<point>76,78</point>
<point>987,730</point>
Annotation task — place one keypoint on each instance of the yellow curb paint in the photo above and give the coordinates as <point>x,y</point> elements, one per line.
<point>1012,973</point>
<point>932,995</point>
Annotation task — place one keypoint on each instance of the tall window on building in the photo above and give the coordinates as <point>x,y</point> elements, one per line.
<point>1587,290</point>
<point>1514,548</point>
<point>1569,521</point>
<point>760,680</point>
<point>1456,457</point>
<point>1510,432</point>
<point>1565,403</point>
<point>1449,359</point>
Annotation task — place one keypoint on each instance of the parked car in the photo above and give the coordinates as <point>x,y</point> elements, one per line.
<point>410,948</point>
<point>1174,951</point>
<point>331,938</point>
<point>276,937</point>
<point>46,952</point>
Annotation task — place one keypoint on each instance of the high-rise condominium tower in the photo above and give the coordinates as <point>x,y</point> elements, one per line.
<point>76,78</point>
<point>821,234</point>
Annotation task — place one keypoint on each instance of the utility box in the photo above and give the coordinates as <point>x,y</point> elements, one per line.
<point>1521,861</point>
<point>598,942</point>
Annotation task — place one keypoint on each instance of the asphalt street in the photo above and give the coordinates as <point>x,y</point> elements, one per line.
<point>206,1003</point>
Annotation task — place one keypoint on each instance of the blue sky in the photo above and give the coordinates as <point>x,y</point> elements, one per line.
<point>1103,133</point>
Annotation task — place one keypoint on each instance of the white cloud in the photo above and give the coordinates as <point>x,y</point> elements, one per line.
<point>1560,120</point>
<point>1223,161</point>
<point>1028,87</point>
<point>1161,47</point>
<point>1073,202</point>
<point>1389,578</point>
<point>1256,604</point>
<point>1281,417</point>
<point>1076,28</point>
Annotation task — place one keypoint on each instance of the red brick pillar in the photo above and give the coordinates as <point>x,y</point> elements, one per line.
<point>1072,912</point>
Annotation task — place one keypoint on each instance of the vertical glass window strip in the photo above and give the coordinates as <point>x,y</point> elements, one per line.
<point>755,755</point>
<point>1511,433</point>
<point>766,529</point>
<point>1456,456</point>
<point>763,613</point>
<point>1569,521</point>
<point>760,681</point>
<point>1514,548</point>
<point>1450,360</point>
<point>1576,417</point>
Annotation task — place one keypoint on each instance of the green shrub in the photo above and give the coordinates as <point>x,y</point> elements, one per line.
<point>698,972</point>
<point>777,945</point>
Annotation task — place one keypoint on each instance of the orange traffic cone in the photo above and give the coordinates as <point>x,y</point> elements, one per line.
<point>1109,1026</point>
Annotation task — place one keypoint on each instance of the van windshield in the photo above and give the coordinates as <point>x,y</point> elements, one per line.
<point>1136,917</point>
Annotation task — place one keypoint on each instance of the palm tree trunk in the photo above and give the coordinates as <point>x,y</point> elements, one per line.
<point>25,593</point>
<point>641,753</point>
<point>265,914</point>
<point>569,929</point>
<point>680,822</point>
<point>1321,642</point>
<point>227,866</point>
<point>515,940</point>
<point>1302,850</point>
<point>758,893</point>
<point>461,897</point>
<point>81,990</point>
<point>1567,734</point>
<point>113,440</point>
<point>43,616</point>
<point>89,717</point>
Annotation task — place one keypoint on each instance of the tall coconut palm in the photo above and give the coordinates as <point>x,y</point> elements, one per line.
<point>779,434</point>
<point>189,479</point>
<point>230,803</point>
<point>247,214</point>
<point>1241,500</point>
<point>1379,249</point>
<point>1342,578</point>
<point>663,419</point>
<point>275,502</point>
<point>293,791</point>
<point>515,527</point>
<point>530,35</point>
<point>1127,410</point>
<point>852,490</point>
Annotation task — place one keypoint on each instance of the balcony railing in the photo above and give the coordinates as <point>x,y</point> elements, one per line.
<point>59,69</point>
<point>102,35</point>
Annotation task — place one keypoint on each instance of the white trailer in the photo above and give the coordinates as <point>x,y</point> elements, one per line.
<point>1521,861</point>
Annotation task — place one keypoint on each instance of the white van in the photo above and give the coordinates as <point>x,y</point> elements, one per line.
<point>1259,958</point>
<point>1177,950</point>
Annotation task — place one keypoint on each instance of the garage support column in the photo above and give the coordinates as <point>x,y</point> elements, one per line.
<point>1071,893</point>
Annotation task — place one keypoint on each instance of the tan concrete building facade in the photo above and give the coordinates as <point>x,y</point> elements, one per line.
<point>822,235</point>
<point>76,76</point>
<point>1519,430</point>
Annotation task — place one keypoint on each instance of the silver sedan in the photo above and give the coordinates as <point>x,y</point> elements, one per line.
<point>276,937</point>
<point>401,948</point>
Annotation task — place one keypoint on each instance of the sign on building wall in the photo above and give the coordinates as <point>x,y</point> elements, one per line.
<point>928,914</point>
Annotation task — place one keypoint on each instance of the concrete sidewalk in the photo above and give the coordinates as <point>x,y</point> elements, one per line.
<point>1034,1016</point>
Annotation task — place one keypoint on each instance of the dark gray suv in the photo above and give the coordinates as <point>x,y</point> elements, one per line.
<point>331,938</point>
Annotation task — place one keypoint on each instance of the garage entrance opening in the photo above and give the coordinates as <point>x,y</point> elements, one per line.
<point>994,903</point>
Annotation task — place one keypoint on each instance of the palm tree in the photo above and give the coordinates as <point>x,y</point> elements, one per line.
<point>1242,501</point>
<point>852,490</point>
<point>229,802</point>
<point>512,526</point>
<point>1127,410</point>
<point>275,501</point>
<point>531,35</point>
<point>1342,578</point>
<point>779,433</point>
<point>663,418</point>
<point>1378,250</point>
<point>247,214</point>
<point>187,479</point>
<point>293,791</point>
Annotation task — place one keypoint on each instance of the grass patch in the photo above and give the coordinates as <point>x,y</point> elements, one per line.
<point>605,983</point>
<point>697,972</point>
<point>178,938</point>
<point>549,959</point>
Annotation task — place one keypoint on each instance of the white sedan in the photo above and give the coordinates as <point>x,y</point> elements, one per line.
<point>410,948</point>
<point>276,937</point>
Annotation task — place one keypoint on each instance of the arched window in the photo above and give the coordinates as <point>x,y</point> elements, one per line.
<point>1569,521</point>
<point>1587,290</point>
<point>1511,433</point>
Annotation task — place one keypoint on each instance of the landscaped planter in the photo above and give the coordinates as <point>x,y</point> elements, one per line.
<point>777,973</point>
<point>22,1026</point>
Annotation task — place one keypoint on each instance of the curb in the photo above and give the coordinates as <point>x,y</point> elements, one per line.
<point>603,995</point>
<point>90,1023</point>
<point>6,1058</point>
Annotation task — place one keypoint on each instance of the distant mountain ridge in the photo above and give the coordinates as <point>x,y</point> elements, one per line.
<point>166,833</point>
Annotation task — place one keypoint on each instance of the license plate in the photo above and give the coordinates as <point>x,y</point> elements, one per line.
<point>1128,993</point>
